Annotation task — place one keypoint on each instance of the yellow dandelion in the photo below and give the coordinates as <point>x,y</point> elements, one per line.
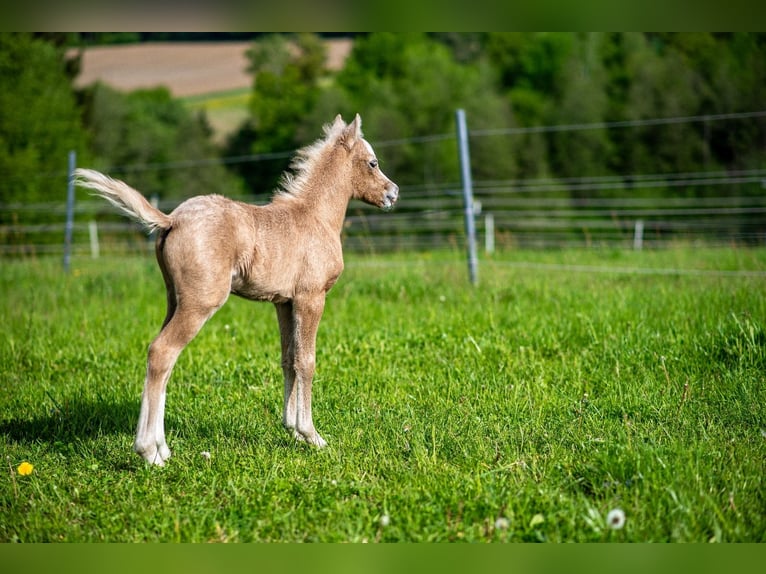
<point>25,468</point>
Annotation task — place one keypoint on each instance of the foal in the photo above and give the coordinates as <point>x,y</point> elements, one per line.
<point>287,252</point>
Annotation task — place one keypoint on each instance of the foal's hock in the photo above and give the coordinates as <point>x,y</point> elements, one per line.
<point>287,252</point>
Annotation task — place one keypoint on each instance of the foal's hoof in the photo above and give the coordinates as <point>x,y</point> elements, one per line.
<point>311,438</point>
<point>154,454</point>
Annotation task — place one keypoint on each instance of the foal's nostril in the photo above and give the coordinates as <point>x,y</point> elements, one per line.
<point>390,197</point>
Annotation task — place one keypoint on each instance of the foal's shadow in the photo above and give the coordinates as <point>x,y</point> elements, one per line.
<point>71,420</point>
<point>67,424</point>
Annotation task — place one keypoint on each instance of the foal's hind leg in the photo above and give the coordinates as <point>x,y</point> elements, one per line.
<point>180,327</point>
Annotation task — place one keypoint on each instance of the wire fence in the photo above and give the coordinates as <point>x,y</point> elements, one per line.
<point>625,210</point>
<point>508,215</point>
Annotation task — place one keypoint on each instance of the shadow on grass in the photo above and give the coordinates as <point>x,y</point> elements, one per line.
<point>73,419</point>
<point>79,426</point>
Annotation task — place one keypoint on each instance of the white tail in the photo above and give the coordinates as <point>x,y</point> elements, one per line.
<point>124,197</point>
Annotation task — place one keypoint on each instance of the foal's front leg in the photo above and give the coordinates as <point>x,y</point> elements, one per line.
<point>287,338</point>
<point>307,311</point>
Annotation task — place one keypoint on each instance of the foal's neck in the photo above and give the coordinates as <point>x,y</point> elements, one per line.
<point>325,193</point>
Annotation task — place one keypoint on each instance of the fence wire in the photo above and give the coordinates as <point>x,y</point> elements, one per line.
<point>624,210</point>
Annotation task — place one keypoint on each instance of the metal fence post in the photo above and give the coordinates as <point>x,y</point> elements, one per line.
<point>94,246</point>
<point>638,235</point>
<point>69,210</point>
<point>489,233</point>
<point>465,172</point>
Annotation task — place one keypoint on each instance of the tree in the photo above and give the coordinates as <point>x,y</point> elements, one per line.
<point>287,74</point>
<point>662,86</point>
<point>532,70</point>
<point>150,135</point>
<point>581,99</point>
<point>39,121</point>
<point>409,85</point>
<point>738,144</point>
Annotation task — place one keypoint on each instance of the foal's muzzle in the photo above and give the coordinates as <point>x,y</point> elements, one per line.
<point>392,194</point>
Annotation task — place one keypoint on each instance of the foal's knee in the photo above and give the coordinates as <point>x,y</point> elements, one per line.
<point>305,363</point>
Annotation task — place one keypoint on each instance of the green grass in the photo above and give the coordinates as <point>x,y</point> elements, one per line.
<point>225,111</point>
<point>546,397</point>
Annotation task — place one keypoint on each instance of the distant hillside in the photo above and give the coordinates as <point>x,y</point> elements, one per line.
<point>185,68</point>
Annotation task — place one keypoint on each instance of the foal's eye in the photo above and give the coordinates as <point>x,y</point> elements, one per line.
<point>373,163</point>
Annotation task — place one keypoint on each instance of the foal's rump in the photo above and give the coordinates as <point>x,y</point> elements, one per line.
<point>197,244</point>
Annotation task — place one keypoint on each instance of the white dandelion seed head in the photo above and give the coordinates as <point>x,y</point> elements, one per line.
<point>615,519</point>
<point>502,523</point>
<point>205,454</point>
<point>385,520</point>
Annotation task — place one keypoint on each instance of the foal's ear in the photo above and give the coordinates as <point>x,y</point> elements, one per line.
<point>351,133</point>
<point>357,125</point>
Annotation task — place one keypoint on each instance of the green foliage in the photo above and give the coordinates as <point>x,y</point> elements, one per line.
<point>410,85</point>
<point>150,129</point>
<point>285,85</point>
<point>285,91</point>
<point>573,78</point>
<point>405,86</point>
<point>39,121</point>
<point>531,60</point>
<point>583,101</point>
<point>543,398</point>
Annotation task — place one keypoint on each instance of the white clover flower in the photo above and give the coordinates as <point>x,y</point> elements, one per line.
<point>615,519</point>
<point>385,520</point>
<point>502,523</point>
<point>205,454</point>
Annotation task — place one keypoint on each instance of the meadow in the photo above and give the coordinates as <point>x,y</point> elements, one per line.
<point>225,111</point>
<point>525,409</point>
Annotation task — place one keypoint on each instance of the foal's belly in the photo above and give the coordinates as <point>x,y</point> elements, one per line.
<point>258,290</point>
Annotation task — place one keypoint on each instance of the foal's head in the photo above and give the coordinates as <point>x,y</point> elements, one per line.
<point>369,183</point>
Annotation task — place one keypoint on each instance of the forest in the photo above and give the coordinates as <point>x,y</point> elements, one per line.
<point>407,87</point>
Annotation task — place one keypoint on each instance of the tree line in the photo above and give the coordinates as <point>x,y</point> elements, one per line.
<point>405,85</point>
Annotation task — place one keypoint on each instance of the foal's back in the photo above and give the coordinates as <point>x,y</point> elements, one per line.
<point>218,245</point>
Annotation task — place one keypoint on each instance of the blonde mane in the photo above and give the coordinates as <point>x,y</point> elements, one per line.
<point>293,182</point>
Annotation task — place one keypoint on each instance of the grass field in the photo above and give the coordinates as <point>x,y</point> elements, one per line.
<point>225,111</point>
<point>522,410</point>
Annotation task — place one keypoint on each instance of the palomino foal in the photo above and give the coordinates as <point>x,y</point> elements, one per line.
<point>287,252</point>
